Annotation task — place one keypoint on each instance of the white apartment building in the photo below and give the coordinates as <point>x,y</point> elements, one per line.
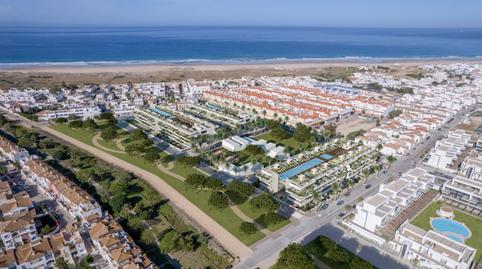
<point>314,172</point>
<point>174,126</point>
<point>429,249</point>
<point>448,150</point>
<point>221,116</point>
<point>471,167</point>
<point>377,210</point>
<point>11,150</point>
<point>18,230</point>
<point>86,112</point>
<point>57,187</point>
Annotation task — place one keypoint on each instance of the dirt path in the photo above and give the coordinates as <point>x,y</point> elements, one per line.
<point>169,172</point>
<point>95,141</point>
<point>244,217</point>
<point>229,241</point>
<point>119,144</point>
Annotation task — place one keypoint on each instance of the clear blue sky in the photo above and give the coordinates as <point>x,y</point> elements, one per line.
<point>359,13</point>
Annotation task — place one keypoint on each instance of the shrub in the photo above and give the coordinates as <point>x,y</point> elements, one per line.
<point>248,228</point>
<point>168,241</point>
<point>188,160</point>
<point>357,263</point>
<point>242,188</point>
<point>218,200</point>
<point>264,202</point>
<point>326,243</point>
<point>294,257</point>
<point>108,133</point>
<point>60,120</point>
<point>269,218</point>
<point>76,124</point>
<point>338,255</point>
<point>201,181</point>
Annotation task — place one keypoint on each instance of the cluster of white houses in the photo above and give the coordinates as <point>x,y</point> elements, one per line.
<point>424,249</point>
<point>24,247</point>
<point>299,100</point>
<point>456,160</point>
<point>306,177</point>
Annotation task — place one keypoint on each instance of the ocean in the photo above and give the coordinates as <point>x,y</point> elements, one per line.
<point>96,46</point>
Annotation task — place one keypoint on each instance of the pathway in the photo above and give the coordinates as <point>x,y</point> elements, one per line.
<point>95,141</point>
<point>169,172</point>
<point>319,263</point>
<point>119,144</point>
<point>244,217</point>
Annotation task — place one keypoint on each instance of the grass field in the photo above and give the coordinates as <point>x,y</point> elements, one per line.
<point>422,220</point>
<point>290,142</point>
<point>108,144</point>
<point>82,135</point>
<point>253,214</point>
<point>225,217</point>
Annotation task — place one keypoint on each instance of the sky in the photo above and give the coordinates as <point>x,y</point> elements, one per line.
<point>327,13</point>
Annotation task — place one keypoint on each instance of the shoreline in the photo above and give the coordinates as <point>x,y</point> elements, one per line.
<point>223,65</point>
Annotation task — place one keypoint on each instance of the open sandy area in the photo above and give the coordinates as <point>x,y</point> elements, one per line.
<point>48,76</point>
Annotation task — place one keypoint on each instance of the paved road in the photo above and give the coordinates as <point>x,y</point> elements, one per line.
<point>225,238</point>
<point>265,252</point>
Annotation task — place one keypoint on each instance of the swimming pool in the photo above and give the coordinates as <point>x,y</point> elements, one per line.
<point>300,169</point>
<point>326,156</point>
<point>453,229</point>
<point>160,112</point>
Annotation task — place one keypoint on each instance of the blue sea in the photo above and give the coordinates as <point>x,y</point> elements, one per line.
<point>83,46</point>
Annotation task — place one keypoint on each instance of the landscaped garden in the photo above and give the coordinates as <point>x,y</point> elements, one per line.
<point>136,147</point>
<point>422,220</point>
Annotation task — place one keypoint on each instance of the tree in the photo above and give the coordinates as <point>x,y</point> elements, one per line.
<point>330,129</point>
<point>242,188</point>
<point>295,257</point>
<point>326,243</point>
<point>339,255</point>
<point>60,120</point>
<point>254,150</point>
<point>149,237</point>
<point>248,228</point>
<point>264,202</point>
<point>108,133</point>
<point>137,135</point>
<point>60,153</point>
<point>89,124</point>
<point>152,154</point>
<point>269,218</point>
<point>60,263</point>
<point>3,171</point>
<point>76,124</point>
<point>168,241</point>
<point>357,263</point>
<point>117,201</point>
<point>391,159</point>
<point>394,113</point>
<point>302,133</point>
<point>218,200</point>
<point>188,161</point>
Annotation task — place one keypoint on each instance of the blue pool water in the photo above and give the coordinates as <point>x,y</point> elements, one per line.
<point>326,156</point>
<point>160,112</point>
<point>300,169</point>
<point>451,228</point>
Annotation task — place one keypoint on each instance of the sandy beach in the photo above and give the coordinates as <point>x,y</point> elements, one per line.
<point>54,75</point>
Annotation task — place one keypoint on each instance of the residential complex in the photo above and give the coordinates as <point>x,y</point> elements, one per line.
<point>430,249</point>
<point>32,238</point>
<point>312,174</point>
<point>447,151</point>
<point>174,126</point>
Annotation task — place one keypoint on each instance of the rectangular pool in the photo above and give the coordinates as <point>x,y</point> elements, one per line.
<point>300,169</point>
<point>326,156</point>
<point>161,112</point>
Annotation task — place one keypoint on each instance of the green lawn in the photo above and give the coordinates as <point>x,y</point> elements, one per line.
<point>82,135</point>
<point>422,220</point>
<point>184,170</point>
<point>253,214</point>
<point>226,217</point>
<point>109,144</point>
<point>314,247</point>
<point>290,142</point>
